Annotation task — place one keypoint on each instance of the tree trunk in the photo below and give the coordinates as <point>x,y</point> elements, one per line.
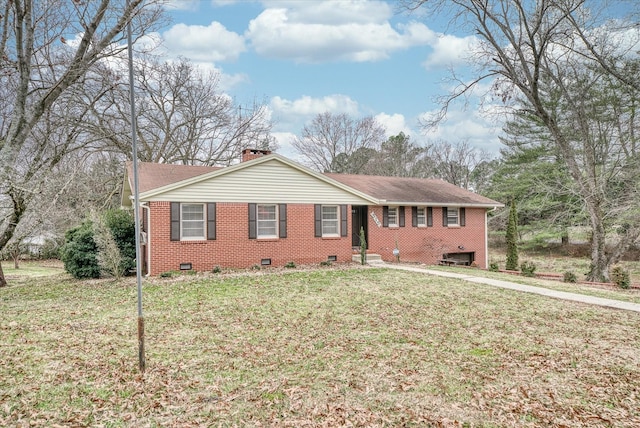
<point>599,271</point>
<point>3,281</point>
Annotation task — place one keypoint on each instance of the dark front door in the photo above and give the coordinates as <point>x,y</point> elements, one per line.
<point>358,220</point>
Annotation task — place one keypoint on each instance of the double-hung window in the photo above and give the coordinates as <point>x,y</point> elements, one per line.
<point>421,215</point>
<point>393,216</point>
<point>267,221</point>
<point>330,220</point>
<point>192,221</point>
<point>452,217</point>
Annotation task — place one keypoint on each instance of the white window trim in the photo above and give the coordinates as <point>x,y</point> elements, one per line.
<point>457,223</point>
<point>424,216</point>
<point>258,235</point>
<point>337,221</point>
<point>397,215</point>
<point>204,224</point>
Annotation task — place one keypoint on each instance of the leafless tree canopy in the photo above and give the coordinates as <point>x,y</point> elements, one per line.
<point>338,143</point>
<point>182,116</point>
<point>577,72</point>
<point>46,50</point>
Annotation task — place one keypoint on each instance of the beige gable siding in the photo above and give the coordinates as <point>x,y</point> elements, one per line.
<point>268,182</point>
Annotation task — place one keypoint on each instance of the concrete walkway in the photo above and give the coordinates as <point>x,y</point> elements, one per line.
<point>591,300</point>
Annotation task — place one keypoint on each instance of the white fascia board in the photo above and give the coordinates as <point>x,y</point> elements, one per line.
<point>439,204</point>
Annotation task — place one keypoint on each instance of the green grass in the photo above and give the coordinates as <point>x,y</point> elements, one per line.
<point>31,269</point>
<point>327,347</point>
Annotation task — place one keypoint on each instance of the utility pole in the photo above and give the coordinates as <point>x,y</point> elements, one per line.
<point>136,200</point>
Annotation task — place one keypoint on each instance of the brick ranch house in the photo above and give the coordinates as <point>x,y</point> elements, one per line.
<point>270,210</point>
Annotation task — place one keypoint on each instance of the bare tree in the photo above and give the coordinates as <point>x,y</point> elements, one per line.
<point>182,114</point>
<point>458,163</point>
<point>46,48</point>
<point>549,58</point>
<point>400,157</point>
<point>338,143</point>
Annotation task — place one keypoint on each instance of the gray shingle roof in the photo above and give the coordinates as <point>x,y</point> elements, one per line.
<point>419,191</point>
<point>412,190</point>
<point>154,175</point>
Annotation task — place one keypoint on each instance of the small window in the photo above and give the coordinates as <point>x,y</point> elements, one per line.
<point>393,216</point>
<point>452,217</point>
<point>267,221</point>
<point>192,221</point>
<point>330,220</point>
<point>422,216</point>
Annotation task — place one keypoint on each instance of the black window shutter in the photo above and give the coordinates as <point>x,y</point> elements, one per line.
<point>429,216</point>
<point>282,220</point>
<point>343,220</point>
<point>385,216</point>
<point>462,215</point>
<point>401,215</point>
<point>211,220</point>
<point>414,216</point>
<point>445,223</point>
<point>253,226</point>
<point>175,221</point>
<point>317,220</point>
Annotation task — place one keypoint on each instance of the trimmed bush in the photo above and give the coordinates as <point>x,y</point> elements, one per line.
<point>528,268</point>
<point>79,253</point>
<point>363,247</point>
<point>512,238</point>
<point>569,277</point>
<point>494,267</point>
<point>620,276</point>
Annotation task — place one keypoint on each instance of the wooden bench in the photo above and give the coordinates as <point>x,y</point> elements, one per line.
<point>450,262</point>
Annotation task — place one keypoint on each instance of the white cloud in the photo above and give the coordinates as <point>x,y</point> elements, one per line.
<point>199,43</point>
<point>451,50</point>
<point>394,124</point>
<point>181,4</point>
<point>320,31</point>
<point>481,130</point>
<point>308,107</point>
<point>285,144</point>
<point>332,12</point>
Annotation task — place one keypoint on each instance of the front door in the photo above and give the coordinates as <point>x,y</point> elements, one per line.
<point>358,220</point>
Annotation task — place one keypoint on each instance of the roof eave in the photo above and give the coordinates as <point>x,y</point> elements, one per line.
<point>441,204</point>
<point>126,193</point>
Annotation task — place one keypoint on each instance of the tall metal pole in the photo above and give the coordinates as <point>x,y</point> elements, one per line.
<point>136,200</point>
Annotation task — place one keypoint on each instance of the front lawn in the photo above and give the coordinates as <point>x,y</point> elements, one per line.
<point>329,347</point>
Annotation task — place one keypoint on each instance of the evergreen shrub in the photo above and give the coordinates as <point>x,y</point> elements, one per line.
<point>528,268</point>
<point>620,276</point>
<point>79,253</point>
<point>569,277</point>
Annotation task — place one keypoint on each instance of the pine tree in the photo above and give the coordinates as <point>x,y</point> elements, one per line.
<point>512,238</point>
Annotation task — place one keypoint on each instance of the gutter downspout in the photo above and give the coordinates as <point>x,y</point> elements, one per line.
<point>145,206</point>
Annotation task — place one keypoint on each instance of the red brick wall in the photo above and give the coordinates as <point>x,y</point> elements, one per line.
<point>428,244</point>
<point>233,248</point>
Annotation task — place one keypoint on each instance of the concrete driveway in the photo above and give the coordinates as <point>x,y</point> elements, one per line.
<point>591,300</point>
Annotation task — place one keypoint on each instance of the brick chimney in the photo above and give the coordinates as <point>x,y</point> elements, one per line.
<point>249,154</point>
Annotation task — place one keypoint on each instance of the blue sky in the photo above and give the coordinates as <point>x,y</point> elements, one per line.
<point>305,57</point>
